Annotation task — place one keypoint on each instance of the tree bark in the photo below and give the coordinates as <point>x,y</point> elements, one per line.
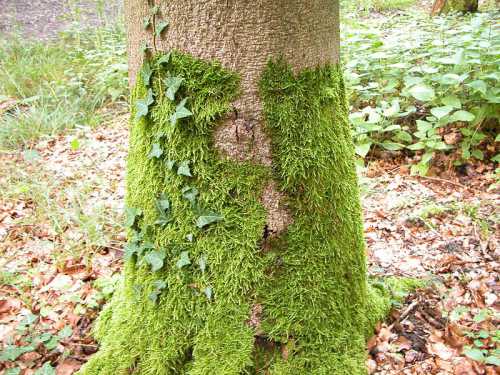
<point>446,6</point>
<point>246,252</point>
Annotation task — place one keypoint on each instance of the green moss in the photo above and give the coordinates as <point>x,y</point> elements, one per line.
<point>319,295</point>
<point>312,283</point>
<point>162,338</point>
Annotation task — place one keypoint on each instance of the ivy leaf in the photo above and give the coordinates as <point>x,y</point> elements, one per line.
<point>160,27</point>
<point>208,292</point>
<point>145,246</point>
<point>170,164</point>
<point>180,112</point>
<point>142,105</point>
<point>131,216</point>
<point>155,259</point>
<point>146,22</point>
<point>158,285</point>
<point>190,193</point>
<point>183,169</point>
<point>202,262</point>
<point>173,83</point>
<point>146,73</point>
<point>164,59</point>
<point>422,92</point>
<point>163,207</point>
<point>144,47</point>
<point>207,219</point>
<point>163,204</point>
<point>183,260</point>
<point>130,249</point>
<point>156,151</point>
<point>154,10</point>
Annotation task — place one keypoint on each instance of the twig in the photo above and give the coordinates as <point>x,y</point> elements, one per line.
<point>405,313</point>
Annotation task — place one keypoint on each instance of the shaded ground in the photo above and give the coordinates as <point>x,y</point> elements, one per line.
<point>61,248</point>
<point>43,19</point>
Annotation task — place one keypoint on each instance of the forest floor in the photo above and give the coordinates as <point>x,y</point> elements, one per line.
<point>61,240</point>
<point>61,246</point>
<point>43,19</point>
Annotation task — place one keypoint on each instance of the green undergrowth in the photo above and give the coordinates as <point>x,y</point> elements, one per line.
<point>77,80</point>
<point>195,264</point>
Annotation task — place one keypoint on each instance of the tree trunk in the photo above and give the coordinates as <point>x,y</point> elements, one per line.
<point>246,252</point>
<point>446,6</point>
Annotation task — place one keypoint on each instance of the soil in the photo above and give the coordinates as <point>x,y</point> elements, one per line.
<point>44,19</point>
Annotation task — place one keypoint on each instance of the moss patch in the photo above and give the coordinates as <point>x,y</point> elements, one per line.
<point>318,296</point>
<point>191,315</point>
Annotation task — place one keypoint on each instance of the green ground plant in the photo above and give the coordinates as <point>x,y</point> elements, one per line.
<point>442,79</point>
<point>60,84</point>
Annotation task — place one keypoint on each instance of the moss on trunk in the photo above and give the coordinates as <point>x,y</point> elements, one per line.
<point>192,315</point>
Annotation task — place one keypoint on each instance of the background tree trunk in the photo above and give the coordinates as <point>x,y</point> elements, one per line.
<point>246,250</point>
<point>445,6</point>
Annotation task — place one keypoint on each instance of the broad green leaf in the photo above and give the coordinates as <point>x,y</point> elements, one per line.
<point>393,110</point>
<point>12,352</point>
<point>173,84</point>
<point>440,112</point>
<point>452,101</point>
<point>13,371</point>
<point>478,85</point>
<point>183,169</point>
<point>462,116</point>
<point>478,154</point>
<point>492,360</point>
<point>392,146</point>
<point>474,354</point>
<point>158,286</point>
<point>450,79</point>
<point>65,332</point>
<point>160,27</point>
<point>155,259</point>
<point>189,237</point>
<point>190,193</point>
<point>363,149</point>
<point>46,369</point>
<point>183,260</point>
<point>416,146</point>
<point>131,216</point>
<point>156,151</point>
<point>422,92</point>
<point>404,136</point>
<point>207,219</point>
<point>481,316</point>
